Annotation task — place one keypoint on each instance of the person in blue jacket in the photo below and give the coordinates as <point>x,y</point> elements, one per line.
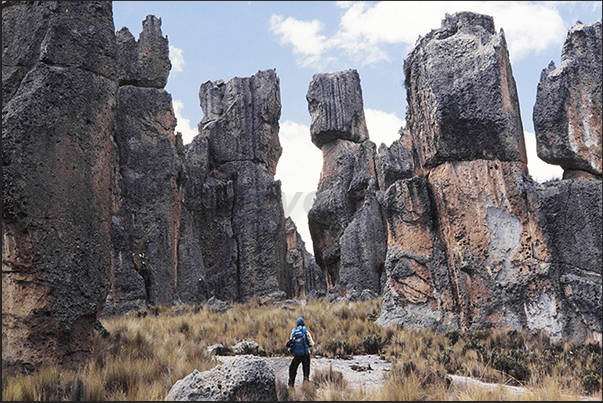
<point>301,351</point>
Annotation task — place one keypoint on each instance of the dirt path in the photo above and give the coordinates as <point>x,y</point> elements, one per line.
<point>362,371</point>
<point>369,372</point>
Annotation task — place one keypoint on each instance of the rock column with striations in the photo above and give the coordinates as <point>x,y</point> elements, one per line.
<point>59,87</point>
<point>231,192</point>
<point>346,225</point>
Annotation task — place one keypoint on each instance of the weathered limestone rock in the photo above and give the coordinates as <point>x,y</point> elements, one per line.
<point>245,378</point>
<point>339,130</point>
<point>148,219</point>
<point>336,107</point>
<point>240,119</point>
<point>363,247</point>
<point>150,207</point>
<point>492,245</point>
<point>346,172</point>
<point>146,62</point>
<point>462,100</point>
<point>417,290</point>
<point>230,191</point>
<point>304,275</point>
<point>569,213</point>
<point>59,94</point>
<point>567,113</point>
<point>393,163</point>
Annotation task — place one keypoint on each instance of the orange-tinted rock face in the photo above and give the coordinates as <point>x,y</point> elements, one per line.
<point>493,246</point>
<point>58,118</point>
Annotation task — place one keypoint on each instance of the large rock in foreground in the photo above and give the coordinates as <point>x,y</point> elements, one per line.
<point>567,113</point>
<point>245,378</point>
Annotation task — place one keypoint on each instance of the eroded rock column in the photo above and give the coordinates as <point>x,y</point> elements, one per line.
<point>346,225</point>
<point>235,201</point>
<point>146,225</point>
<point>59,87</point>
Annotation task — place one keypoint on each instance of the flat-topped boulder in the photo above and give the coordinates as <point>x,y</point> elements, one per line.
<point>462,99</point>
<point>336,107</point>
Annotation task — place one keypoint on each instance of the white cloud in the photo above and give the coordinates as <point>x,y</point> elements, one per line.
<point>383,127</point>
<point>183,125</point>
<point>303,35</point>
<point>530,27</point>
<point>176,58</point>
<point>299,171</point>
<point>539,170</point>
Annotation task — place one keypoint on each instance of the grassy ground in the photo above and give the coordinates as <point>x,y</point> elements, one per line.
<point>148,351</point>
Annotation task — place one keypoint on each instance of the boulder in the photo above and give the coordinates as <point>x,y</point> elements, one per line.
<point>567,112</point>
<point>462,99</point>
<point>59,96</point>
<point>146,62</point>
<point>244,378</point>
<point>393,163</point>
<point>336,107</point>
<point>246,346</point>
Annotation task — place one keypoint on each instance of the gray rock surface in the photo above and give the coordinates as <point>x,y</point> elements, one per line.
<point>304,275</point>
<point>144,62</point>
<point>240,119</point>
<point>567,113</point>
<point>462,99</point>
<point>149,205</point>
<point>59,94</point>
<point>393,163</point>
<point>336,107</point>
<point>244,378</point>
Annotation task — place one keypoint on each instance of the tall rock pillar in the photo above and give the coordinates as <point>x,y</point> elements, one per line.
<point>146,226</point>
<point>59,89</point>
<point>231,192</point>
<point>346,225</point>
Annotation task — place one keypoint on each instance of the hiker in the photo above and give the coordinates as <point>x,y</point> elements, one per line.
<point>301,352</point>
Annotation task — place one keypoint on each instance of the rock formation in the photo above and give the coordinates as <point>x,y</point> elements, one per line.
<point>347,229</point>
<point>230,191</point>
<point>567,113</point>
<point>145,228</point>
<point>473,241</point>
<point>304,274</point>
<point>59,86</point>
<point>245,378</point>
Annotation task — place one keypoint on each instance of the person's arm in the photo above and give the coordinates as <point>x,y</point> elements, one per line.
<point>310,341</point>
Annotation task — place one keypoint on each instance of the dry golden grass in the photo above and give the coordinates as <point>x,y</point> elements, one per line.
<point>148,351</point>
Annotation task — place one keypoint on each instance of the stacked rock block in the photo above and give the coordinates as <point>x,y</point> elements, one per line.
<point>346,224</point>
<point>146,224</point>
<point>482,242</point>
<point>567,121</point>
<point>567,113</point>
<point>59,93</point>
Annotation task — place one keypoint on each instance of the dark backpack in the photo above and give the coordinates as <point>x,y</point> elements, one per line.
<point>300,345</point>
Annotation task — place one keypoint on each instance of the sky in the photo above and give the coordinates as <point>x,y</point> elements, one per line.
<point>213,40</point>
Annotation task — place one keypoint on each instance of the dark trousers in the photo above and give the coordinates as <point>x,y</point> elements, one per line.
<point>297,359</point>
